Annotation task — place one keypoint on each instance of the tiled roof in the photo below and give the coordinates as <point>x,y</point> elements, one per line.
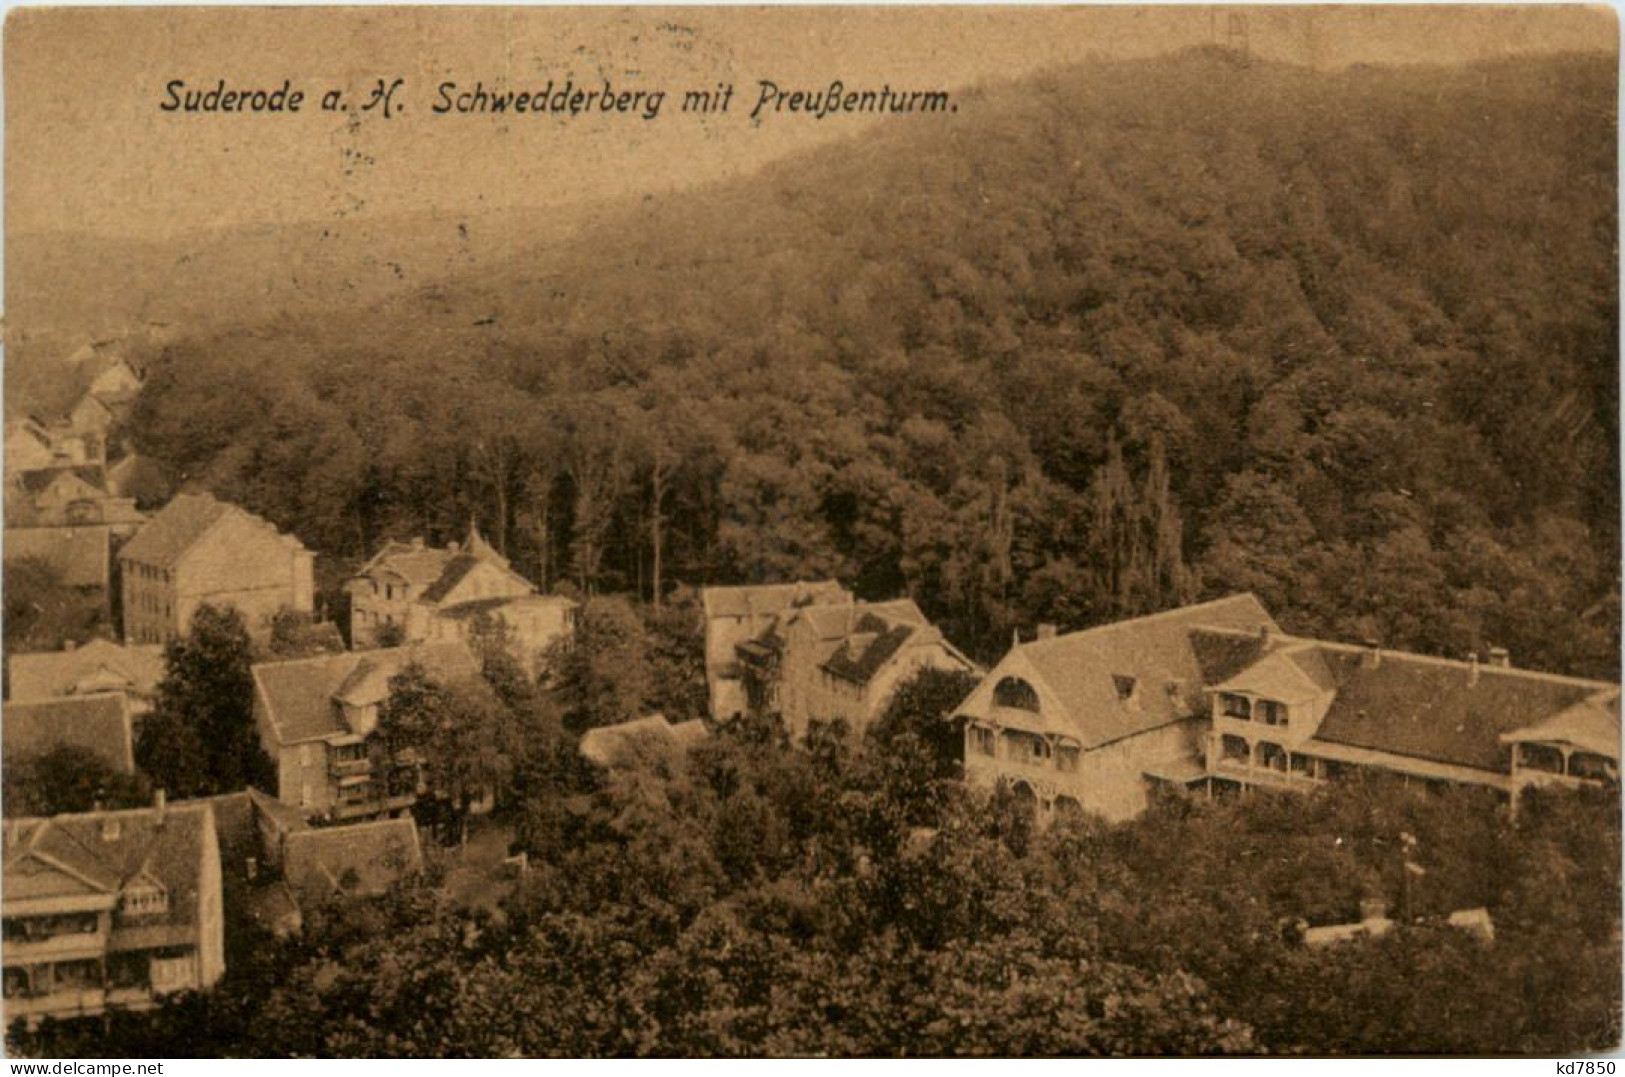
<point>176,527</point>
<point>1160,652</point>
<point>867,650</point>
<point>360,859</point>
<point>59,673</point>
<point>415,563</point>
<point>299,693</point>
<point>1591,725</point>
<point>42,479</point>
<point>1276,676</point>
<point>456,570</point>
<point>1428,707</point>
<point>108,850</point>
<point>97,723</point>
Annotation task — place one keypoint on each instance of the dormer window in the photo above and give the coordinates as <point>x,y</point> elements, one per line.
<point>1015,693</point>
<point>144,898</point>
<point>1124,686</point>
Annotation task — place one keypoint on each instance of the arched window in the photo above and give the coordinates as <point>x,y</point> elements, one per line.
<point>1015,693</point>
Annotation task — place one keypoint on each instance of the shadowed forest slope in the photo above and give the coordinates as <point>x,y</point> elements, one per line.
<point>1105,340</point>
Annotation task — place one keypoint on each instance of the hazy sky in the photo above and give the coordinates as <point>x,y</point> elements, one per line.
<point>87,146</point>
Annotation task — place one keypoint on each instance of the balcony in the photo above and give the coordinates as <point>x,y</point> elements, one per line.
<point>373,806</point>
<point>67,946</point>
<point>1266,777</point>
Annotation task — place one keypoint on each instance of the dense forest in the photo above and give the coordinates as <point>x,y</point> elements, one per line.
<point>1114,337</point>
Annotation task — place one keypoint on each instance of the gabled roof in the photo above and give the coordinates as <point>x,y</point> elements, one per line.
<point>865,652</point>
<point>181,524</point>
<point>97,723</point>
<point>417,564</point>
<point>359,860</point>
<point>437,571</point>
<point>1591,725</point>
<point>1436,709</point>
<point>299,694</point>
<point>1425,707</point>
<point>1278,676</point>
<point>110,850</point>
<point>1159,652</point>
<point>39,480</point>
<point>762,599</point>
<point>44,674</point>
<point>456,570</point>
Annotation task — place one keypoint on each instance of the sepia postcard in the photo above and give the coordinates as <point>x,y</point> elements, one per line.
<point>833,532</point>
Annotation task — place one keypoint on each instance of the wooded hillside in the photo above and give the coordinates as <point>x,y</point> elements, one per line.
<point>1102,341</point>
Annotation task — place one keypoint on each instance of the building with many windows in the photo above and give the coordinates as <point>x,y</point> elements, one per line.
<point>199,551</point>
<point>840,661</point>
<point>411,592</point>
<point>1216,695</point>
<point>316,717</point>
<point>110,910</point>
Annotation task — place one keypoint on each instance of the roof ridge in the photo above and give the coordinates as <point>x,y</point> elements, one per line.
<point>1311,643</point>
<point>1149,618</point>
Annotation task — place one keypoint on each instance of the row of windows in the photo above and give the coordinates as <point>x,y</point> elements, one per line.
<point>148,572</point>
<point>151,604</point>
<point>1268,711</point>
<point>1028,748</point>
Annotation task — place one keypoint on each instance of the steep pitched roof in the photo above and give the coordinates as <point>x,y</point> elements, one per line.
<point>39,480</point>
<point>1277,676</point>
<point>84,668</point>
<point>97,723</point>
<point>299,693</point>
<point>174,529</point>
<point>179,525</point>
<point>417,564</point>
<point>110,850</point>
<point>360,860</point>
<point>865,652</point>
<point>1158,652</point>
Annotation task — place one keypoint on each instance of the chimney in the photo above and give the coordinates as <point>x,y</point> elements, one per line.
<point>110,828</point>
<point>1500,657</point>
<point>1046,631</point>
<point>1373,908</point>
<point>1265,635</point>
<point>1472,668</point>
<point>69,644</point>
<point>454,548</point>
<point>417,542</point>
<point>160,800</point>
<point>1373,654</point>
